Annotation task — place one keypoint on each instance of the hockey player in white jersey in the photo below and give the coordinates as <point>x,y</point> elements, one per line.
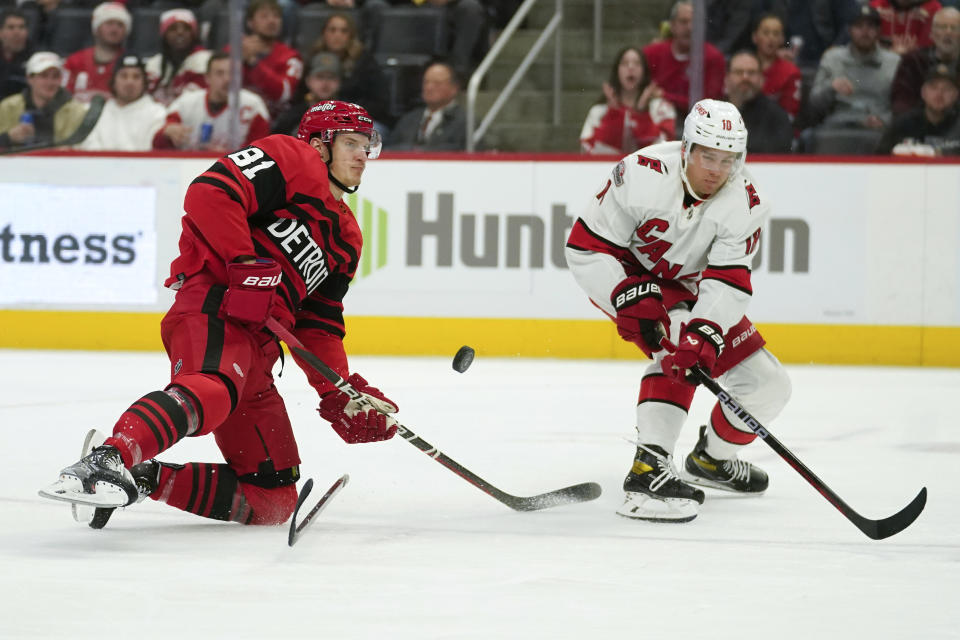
<point>667,246</point>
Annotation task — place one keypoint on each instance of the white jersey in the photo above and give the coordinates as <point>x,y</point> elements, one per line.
<point>166,85</point>
<point>193,110</point>
<point>129,127</point>
<point>638,223</point>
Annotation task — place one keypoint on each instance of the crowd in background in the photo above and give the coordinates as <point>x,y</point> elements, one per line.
<point>815,76</point>
<point>821,76</point>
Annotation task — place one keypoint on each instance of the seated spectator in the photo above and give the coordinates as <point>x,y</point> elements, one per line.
<point>361,80</point>
<point>466,23</point>
<point>768,124</point>
<point>43,113</point>
<point>182,63</point>
<point>852,86</point>
<point>88,71</point>
<point>13,52</point>
<point>932,129</point>
<point>782,80</point>
<point>913,67</point>
<point>321,82</point>
<point>271,68</point>
<point>439,126</point>
<point>131,117</point>
<point>728,24</point>
<point>905,24</point>
<point>630,114</point>
<point>200,120</point>
<point>668,61</point>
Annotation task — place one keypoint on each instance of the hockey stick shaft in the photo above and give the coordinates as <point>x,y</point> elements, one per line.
<point>876,529</point>
<point>575,493</point>
<point>90,118</point>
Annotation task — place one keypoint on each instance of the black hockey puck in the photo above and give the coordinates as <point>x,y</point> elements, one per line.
<point>463,359</point>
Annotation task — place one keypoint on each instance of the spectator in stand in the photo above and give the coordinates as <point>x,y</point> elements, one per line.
<point>728,24</point>
<point>932,129</point>
<point>200,120</point>
<point>466,23</point>
<point>89,71</point>
<point>440,125</point>
<point>668,60</point>
<point>852,86</point>
<point>182,63</point>
<point>321,82</point>
<point>813,27</point>
<point>768,124</point>
<point>362,81</point>
<point>14,52</point>
<point>51,113</point>
<point>271,68</point>
<point>905,24</point>
<point>631,113</point>
<point>782,79</point>
<point>945,50</point>
<point>131,117</point>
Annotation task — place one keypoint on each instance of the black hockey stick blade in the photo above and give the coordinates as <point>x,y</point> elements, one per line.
<point>875,529</point>
<point>297,527</point>
<point>568,495</point>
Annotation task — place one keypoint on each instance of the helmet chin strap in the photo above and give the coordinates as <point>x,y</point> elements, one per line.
<point>685,180</point>
<point>333,178</point>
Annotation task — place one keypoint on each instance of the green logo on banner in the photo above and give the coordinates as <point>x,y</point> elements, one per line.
<point>374,229</point>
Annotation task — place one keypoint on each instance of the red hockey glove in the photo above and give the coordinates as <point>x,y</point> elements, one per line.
<point>250,291</point>
<point>356,423</point>
<point>701,342</point>
<point>639,306</point>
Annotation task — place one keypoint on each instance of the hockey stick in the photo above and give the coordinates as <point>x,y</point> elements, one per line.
<point>79,134</point>
<point>876,529</point>
<point>296,528</point>
<point>568,495</point>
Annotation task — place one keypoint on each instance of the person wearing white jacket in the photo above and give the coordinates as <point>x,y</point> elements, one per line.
<point>131,117</point>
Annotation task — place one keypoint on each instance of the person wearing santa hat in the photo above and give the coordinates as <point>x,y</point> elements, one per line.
<point>89,71</point>
<point>182,62</point>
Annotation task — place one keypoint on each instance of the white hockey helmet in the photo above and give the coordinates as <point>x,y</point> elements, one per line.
<point>717,125</point>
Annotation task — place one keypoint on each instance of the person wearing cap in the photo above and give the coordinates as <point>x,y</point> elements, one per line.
<point>932,129</point>
<point>913,67</point>
<point>182,62</point>
<point>321,82</point>
<point>905,24</point>
<point>200,120</point>
<point>89,71</point>
<point>131,117</point>
<point>51,113</point>
<point>852,85</point>
<point>14,52</point>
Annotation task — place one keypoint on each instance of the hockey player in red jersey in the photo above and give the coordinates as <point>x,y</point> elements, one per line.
<point>667,246</point>
<point>266,234</point>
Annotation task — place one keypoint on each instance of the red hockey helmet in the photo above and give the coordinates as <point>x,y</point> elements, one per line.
<point>335,116</point>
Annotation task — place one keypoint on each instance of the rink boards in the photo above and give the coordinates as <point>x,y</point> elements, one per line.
<point>860,262</point>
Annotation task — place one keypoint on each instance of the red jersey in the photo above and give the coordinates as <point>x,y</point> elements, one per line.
<point>906,30</point>
<point>782,82</point>
<point>275,76</point>
<point>84,77</point>
<point>272,199</point>
<point>670,73</point>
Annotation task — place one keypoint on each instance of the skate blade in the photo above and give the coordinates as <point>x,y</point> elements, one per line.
<point>82,513</point>
<point>639,506</point>
<point>710,484</point>
<point>106,495</point>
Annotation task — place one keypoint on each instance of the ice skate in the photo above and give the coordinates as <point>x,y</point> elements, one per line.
<point>146,475</point>
<point>99,479</point>
<point>654,492</point>
<point>734,475</point>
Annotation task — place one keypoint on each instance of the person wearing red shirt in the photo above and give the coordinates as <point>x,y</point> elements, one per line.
<point>271,68</point>
<point>631,114</point>
<point>181,63</point>
<point>905,24</point>
<point>89,71</point>
<point>669,60</point>
<point>266,237</point>
<point>782,80</point>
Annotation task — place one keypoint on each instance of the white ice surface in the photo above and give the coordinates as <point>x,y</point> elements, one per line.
<point>409,550</point>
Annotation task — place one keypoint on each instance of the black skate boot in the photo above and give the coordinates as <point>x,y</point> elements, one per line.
<point>99,479</point>
<point>730,475</point>
<point>654,492</point>
<point>146,475</point>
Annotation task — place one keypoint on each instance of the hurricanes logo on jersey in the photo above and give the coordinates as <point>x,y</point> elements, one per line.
<point>654,247</point>
<point>752,195</point>
<point>650,163</point>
